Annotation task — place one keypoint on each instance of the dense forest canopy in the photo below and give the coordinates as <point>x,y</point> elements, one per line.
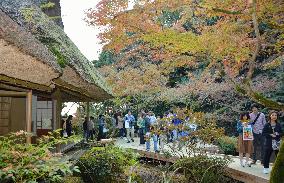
<point>209,55</point>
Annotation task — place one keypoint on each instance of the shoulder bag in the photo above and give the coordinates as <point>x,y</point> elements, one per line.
<point>256,118</point>
<point>275,144</point>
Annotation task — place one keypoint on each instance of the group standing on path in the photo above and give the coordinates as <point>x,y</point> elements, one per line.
<point>152,129</point>
<point>265,137</point>
<point>147,126</point>
<point>258,138</point>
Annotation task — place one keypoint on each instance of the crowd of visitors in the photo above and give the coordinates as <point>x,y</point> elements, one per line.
<point>151,129</point>
<point>258,137</point>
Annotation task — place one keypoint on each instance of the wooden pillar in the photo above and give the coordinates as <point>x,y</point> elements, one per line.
<point>58,98</point>
<point>88,110</point>
<point>54,114</point>
<point>56,95</point>
<point>29,114</point>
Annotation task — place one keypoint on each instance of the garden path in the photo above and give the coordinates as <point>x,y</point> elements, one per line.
<point>251,174</point>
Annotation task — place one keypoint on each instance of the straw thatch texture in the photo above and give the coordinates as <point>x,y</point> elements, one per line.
<point>16,64</point>
<point>27,14</point>
<point>21,53</point>
<point>70,76</point>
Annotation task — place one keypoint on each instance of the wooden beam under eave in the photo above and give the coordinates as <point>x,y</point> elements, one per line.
<point>29,114</point>
<point>73,96</point>
<point>12,88</point>
<point>12,94</point>
<point>24,84</point>
<point>70,87</point>
<point>79,94</point>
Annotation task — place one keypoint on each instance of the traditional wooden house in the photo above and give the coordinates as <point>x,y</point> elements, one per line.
<point>40,68</point>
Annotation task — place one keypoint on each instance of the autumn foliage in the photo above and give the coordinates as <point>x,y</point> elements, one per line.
<point>215,41</point>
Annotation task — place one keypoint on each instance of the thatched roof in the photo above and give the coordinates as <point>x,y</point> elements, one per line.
<point>30,16</point>
<point>21,52</point>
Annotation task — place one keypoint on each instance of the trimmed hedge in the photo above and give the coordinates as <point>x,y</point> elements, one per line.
<point>277,174</point>
<point>105,165</point>
<point>204,169</point>
<point>228,145</point>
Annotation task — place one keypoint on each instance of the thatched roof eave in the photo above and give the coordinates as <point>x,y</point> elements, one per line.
<point>45,30</point>
<point>16,35</point>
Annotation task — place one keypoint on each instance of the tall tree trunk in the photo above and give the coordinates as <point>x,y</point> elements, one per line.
<point>247,89</point>
<point>257,34</point>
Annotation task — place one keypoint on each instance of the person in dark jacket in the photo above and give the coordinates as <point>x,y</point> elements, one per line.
<point>141,125</point>
<point>91,127</point>
<point>147,135</point>
<point>85,129</point>
<point>147,123</point>
<point>101,127</point>
<point>272,133</point>
<point>69,125</point>
<point>63,127</point>
<point>258,121</point>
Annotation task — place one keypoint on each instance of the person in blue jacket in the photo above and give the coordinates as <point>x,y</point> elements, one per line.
<point>176,122</point>
<point>129,121</point>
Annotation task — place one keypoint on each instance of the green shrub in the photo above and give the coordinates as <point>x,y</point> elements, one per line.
<point>157,173</point>
<point>72,179</point>
<point>203,169</point>
<point>105,165</point>
<point>21,162</point>
<point>228,145</point>
<point>277,173</point>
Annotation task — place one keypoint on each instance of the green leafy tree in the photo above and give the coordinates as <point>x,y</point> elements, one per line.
<point>106,58</point>
<point>22,162</point>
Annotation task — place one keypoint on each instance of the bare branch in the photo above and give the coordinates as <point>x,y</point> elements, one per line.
<point>257,34</point>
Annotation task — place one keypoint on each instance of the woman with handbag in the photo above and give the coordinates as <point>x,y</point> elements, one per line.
<point>272,133</point>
